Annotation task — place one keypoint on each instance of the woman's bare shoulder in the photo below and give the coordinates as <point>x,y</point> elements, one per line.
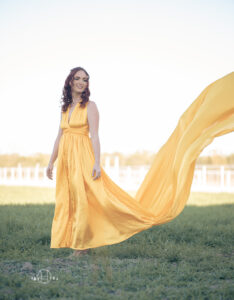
<point>92,104</point>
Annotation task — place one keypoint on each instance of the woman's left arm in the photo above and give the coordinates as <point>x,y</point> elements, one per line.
<point>93,120</point>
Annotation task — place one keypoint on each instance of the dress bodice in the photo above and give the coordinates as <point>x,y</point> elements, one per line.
<point>78,122</point>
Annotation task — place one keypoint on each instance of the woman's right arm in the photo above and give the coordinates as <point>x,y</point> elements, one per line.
<point>54,155</point>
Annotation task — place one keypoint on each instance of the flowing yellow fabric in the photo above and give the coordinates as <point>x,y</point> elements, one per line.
<point>92,213</point>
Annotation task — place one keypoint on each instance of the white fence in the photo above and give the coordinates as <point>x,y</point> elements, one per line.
<point>207,178</point>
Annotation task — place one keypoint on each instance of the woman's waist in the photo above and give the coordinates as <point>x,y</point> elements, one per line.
<point>76,130</point>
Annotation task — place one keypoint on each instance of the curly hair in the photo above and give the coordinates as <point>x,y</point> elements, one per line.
<point>66,98</point>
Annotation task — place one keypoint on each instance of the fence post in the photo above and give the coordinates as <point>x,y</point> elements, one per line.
<point>36,172</point>
<point>228,179</point>
<point>203,175</point>
<point>4,174</point>
<point>128,179</point>
<point>222,177</point>
<point>19,172</point>
<point>107,164</point>
<point>27,175</point>
<point>44,173</point>
<point>12,171</point>
<point>116,168</point>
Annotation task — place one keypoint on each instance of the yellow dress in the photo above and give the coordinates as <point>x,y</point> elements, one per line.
<point>92,213</point>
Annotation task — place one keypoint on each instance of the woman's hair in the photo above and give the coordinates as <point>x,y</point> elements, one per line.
<point>67,95</point>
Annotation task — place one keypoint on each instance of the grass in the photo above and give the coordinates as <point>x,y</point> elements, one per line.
<point>190,257</point>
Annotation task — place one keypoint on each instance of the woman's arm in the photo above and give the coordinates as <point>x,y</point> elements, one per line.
<point>54,154</point>
<point>93,120</point>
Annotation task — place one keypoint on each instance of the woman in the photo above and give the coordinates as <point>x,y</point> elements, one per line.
<point>94,211</point>
<point>76,90</point>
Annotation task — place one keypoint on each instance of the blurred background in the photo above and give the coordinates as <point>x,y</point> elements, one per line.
<point>147,61</point>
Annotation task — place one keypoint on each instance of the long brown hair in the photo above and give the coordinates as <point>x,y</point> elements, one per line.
<point>66,98</point>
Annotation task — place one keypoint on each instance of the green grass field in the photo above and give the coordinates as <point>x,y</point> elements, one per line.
<point>190,257</point>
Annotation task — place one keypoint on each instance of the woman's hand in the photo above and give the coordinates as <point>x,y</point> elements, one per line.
<point>96,169</point>
<point>49,171</point>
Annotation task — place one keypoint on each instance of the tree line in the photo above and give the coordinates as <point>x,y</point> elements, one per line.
<point>134,159</point>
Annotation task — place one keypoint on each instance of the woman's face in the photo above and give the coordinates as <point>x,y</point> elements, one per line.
<point>80,82</point>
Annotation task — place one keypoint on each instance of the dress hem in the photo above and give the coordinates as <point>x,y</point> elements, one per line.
<point>105,244</point>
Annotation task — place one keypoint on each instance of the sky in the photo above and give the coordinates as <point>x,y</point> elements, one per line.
<point>147,61</point>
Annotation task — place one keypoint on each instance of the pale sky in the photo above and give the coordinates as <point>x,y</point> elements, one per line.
<point>147,61</point>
